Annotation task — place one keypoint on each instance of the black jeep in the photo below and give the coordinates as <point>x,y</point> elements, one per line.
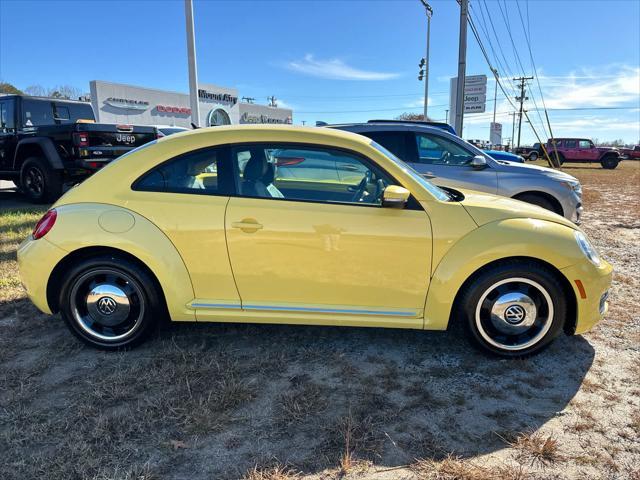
<point>47,143</point>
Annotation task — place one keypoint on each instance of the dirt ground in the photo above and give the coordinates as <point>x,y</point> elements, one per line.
<point>212,401</point>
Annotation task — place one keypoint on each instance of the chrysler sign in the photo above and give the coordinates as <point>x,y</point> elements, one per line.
<point>127,103</point>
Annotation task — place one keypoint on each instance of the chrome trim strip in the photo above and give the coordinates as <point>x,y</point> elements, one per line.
<point>323,310</point>
<point>215,305</point>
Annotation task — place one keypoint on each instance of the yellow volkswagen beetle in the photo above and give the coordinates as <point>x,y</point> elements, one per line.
<point>280,224</point>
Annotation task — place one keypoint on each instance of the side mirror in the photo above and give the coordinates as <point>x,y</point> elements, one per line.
<point>478,162</point>
<point>395,196</point>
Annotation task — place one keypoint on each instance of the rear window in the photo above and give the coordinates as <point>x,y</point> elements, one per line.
<point>46,112</point>
<point>37,112</point>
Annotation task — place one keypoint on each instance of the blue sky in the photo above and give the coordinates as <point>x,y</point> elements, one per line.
<point>341,60</point>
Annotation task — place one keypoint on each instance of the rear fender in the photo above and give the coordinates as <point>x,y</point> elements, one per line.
<point>46,147</point>
<point>84,225</point>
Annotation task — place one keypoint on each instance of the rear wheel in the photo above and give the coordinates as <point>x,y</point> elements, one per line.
<point>533,156</point>
<point>513,309</point>
<point>109,302</point>
<point>39,181</point>
<point>610,162</point>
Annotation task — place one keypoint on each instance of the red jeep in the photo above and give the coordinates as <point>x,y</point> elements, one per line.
<point>583,150</point>
<point>630,153</point>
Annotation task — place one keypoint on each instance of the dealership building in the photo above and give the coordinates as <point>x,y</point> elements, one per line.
<point>120,103</point>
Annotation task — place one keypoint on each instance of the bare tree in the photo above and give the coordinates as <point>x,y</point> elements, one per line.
<point>412,117</point>
<point>35,91</point>
<point>65,91</point>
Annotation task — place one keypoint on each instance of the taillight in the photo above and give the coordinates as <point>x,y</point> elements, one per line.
<point>81,139</point>
<point>45,224</point>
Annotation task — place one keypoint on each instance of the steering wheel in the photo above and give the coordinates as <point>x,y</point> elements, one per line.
<point>445,157</point>
<point>362,187</point>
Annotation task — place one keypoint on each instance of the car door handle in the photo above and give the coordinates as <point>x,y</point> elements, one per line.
<point>428,175</point>
<point>247,225</point>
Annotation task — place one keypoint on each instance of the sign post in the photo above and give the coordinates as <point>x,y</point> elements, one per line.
<point>495,133</point>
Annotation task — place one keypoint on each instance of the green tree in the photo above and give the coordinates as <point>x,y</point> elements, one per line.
<point>8,88</point>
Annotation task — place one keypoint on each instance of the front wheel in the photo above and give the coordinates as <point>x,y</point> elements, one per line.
<point>609,163</point>
<point>513,309</point>
<point>109,303</point>
<point>533,156</point>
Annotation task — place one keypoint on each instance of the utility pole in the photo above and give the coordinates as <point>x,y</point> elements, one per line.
<point>495,94</point>
<point>521,99</point>
<point>462,66</point>
<point>429,12</point>
<point>513,127</point>
<point>193,71</point>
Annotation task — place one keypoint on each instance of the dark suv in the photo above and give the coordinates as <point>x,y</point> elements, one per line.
<point>46,143</point>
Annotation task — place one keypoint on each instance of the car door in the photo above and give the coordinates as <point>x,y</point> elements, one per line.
<point>324,247</point>
<point>8,138</point>
<point>587,150</point>
<point>186,197</point>
<point>571,151</point>
<point>448,164</point>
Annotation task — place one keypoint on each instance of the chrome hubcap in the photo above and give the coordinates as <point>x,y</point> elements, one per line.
<point>514,314</point>
<point>107,304</point>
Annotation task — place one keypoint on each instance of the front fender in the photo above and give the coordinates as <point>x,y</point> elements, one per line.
<point>548,241</point>
<point>83,225</point>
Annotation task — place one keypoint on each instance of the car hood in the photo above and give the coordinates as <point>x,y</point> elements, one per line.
<point>526,169</point>
<point>486,208</point>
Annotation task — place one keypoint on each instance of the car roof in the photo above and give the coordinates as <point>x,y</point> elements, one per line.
<point>279,128</point>
<point>380,126</point>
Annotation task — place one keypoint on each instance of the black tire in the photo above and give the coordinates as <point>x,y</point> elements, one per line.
<point>538,200</point>
<point>609,162</point>
<point>100,315</point>
<point>533,156</point>
<point>488,291</point>
<point>39,181</point>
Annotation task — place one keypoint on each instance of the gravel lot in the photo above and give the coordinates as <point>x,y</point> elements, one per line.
<point>280,402</point>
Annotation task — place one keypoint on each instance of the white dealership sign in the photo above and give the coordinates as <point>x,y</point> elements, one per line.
<point>475,94</point>
<point>495,133</point>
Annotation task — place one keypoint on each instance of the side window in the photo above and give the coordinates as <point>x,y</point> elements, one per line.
<point>307,173</point>
<point>37,112</point>
<point>395,142</point>
<point>585,144</point>
<point>570,144</point>
<point>200,172</point>
<point>61,113</point>
<point>436,150</point>
<point>7,119</point>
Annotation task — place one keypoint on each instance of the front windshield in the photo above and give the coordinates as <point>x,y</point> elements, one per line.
<point>437,192</point>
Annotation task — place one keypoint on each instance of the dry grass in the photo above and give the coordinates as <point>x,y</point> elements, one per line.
<point>536,448</point>
<point>214,401</point>
<point>453,468</point>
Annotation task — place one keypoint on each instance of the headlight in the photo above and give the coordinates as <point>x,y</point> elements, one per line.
<point>589,250</point>
<point>573,185</point>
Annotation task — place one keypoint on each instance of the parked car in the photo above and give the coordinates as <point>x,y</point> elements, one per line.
<point>583,150</point>
<point>164,130</point>
<point>530,153</point>
<point>182,230</point>
<point>630,153</point>
<point>46,143</point>
<point>505,156</point>
<point>449,161</point>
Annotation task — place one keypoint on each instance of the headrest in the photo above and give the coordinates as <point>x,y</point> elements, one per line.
<point>256,167</point>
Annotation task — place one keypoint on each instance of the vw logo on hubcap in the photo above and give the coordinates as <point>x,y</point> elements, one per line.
<point>107,305</point>
<point>514,314</point>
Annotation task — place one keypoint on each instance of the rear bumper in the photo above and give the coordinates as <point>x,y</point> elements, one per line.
<point>592,299</point>
<point>36,261</point>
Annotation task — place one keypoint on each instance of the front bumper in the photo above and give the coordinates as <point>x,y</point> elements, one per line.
<point>36,261</point>
<point>592,298</point>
